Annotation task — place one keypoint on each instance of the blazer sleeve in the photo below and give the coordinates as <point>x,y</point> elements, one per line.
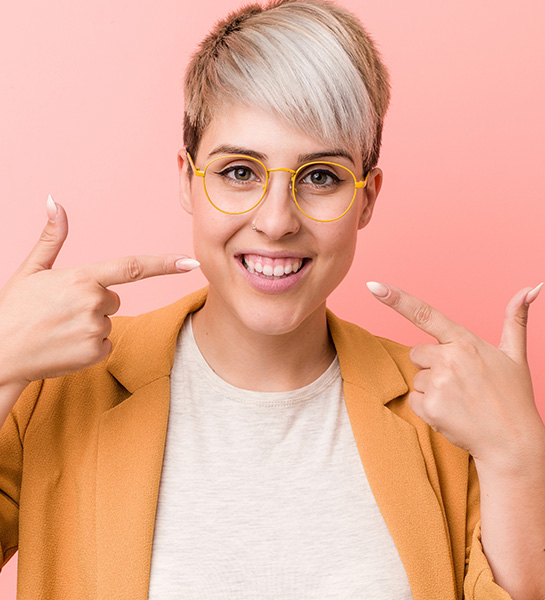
<point>11,469</point>
<point>479,582</point>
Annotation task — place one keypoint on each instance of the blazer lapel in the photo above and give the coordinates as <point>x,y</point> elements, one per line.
<point>393,461</point>
<point>130,456</point>
<point>131,442</point>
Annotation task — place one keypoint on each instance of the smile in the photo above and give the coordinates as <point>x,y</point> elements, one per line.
<point>271,268</point>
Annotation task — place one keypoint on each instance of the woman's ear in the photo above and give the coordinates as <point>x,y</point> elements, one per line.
<point>371,191</point>
<point>185,186</point>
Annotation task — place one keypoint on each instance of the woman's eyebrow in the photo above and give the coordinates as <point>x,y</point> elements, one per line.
<point>227,149</point>
<point>302,158</point>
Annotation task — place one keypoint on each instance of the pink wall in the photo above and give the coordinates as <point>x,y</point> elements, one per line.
<point>91,111</point>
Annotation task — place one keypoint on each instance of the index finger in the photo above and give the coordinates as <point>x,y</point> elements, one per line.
<point>134,268</point>
<point>420,313</point>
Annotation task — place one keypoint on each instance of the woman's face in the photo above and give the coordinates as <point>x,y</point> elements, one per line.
<point>226,245</point>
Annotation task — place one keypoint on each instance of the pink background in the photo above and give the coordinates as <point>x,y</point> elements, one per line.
<point>91,112</point>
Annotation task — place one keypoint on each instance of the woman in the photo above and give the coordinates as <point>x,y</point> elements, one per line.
<point>244,442</point>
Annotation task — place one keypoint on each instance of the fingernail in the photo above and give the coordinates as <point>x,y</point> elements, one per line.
<point>379,289</point>
<point>187,264</point>
<point>51,208</point>
<point>532,294</point>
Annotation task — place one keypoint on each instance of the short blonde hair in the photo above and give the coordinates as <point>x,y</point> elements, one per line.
<point>309,62</point>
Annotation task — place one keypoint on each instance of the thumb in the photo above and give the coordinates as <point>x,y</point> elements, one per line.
<point>513,336</point>
<point>54,234</point>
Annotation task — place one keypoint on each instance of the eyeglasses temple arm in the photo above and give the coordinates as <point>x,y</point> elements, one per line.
<point>197,172</point>
<point>362,184</point>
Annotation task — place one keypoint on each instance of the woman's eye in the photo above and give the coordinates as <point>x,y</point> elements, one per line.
<point>238,173</point>
<point>320,177</point>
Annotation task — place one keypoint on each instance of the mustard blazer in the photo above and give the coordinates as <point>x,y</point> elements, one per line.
<point>81,458</point>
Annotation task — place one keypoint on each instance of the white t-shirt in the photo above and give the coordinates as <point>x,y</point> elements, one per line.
<point>263,495</point>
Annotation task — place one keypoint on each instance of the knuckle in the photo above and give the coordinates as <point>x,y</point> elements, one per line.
<point>107,328</point>
<point>521,318</point>
<point>448,360</point>
<point>115,301</point>
<point>468,346</point>
<point>96,352</point>
<point>94,357</point>
<point>95,330</point>
<point>107,347</point>
<point>395,299</point>
<point>78,276</point>
<point>427,407</point>
<point>442,379</point>
<point>424,315</point>
<point>48,237</point>
<point>469,342</point>
<point>415,351</point>
<point>132,269</point>
<point>92,303</point>
<point>466,354</point>
<point>166,265</point>
<point>430,411</point>
<point>413,396</point>
<point>418,380</point>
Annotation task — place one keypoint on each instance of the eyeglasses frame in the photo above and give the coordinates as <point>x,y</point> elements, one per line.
<point>201,173</point>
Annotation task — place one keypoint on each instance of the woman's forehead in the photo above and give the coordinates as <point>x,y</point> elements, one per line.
<point>240,129</point>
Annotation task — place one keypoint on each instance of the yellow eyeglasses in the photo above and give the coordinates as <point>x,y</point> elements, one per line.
<point>235,184</point>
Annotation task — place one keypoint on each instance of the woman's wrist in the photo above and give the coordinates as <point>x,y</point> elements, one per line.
<point>515,461</point>
<point>9,378</point>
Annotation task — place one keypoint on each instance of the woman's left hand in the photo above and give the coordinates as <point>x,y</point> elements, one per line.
<point>478,396</point>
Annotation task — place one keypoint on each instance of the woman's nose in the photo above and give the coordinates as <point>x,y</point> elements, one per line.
<point>277,214</point>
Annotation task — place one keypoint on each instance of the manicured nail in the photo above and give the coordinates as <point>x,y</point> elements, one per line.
<point>532,295</point>
<point>51,208</point>
<point>187,264</point>
<point>379,289</point>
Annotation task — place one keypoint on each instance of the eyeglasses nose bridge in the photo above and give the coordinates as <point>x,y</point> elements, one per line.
<point>292,178</point>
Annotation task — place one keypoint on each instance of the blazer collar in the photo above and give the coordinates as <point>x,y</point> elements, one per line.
<point>132,438</point>
<point>365,362</point>
<point>144,349</point>
<point>363,359</point>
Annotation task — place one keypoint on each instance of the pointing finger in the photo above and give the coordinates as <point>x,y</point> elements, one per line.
<point>134,268</point>
<point>47,248</point>
<point>513,336</point>
<point>420,313</point>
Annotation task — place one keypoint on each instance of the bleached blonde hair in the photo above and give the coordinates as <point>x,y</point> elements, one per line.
<point>309,62</point>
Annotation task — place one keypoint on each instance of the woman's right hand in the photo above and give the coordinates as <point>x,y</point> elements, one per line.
<point>55,321</point>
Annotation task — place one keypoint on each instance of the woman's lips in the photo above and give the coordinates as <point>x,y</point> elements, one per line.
<point>272,275</point>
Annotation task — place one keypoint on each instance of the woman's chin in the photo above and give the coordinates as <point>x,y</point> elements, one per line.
<point>282,321</point>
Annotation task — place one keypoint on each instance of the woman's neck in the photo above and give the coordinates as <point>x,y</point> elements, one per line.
<point>261,362</point>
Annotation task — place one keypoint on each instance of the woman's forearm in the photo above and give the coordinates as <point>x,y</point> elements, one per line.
<point>513,519</point>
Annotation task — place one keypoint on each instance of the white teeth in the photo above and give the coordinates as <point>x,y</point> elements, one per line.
<point>269,270</point>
